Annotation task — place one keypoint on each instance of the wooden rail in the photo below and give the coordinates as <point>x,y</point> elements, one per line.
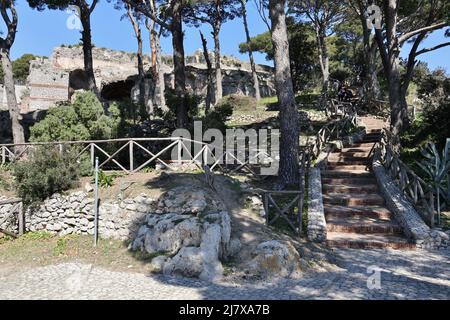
<point>16,209</point>
<point>335,129</point>
<point>412,186</point>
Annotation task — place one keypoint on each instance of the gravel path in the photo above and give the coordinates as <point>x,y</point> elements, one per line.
<point>402,275</point>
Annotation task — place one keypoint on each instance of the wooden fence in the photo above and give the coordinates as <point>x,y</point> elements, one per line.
<point>412,186</point>
<point>16,213</point>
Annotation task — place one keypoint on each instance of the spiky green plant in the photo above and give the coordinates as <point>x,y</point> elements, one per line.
<point>436,166</point>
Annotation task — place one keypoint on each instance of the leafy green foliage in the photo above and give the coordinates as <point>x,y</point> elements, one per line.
<point>302,51</point>
<point>436,167</point>
<point>433,123</point>
<point>105,180</point>
<point>44,173</point>
<point>82,120</point>
<point>21,68</point>
<point>216,118</point>
<point>172,100</point>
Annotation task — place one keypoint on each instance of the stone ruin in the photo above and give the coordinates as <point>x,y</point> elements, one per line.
<point>55,79</point>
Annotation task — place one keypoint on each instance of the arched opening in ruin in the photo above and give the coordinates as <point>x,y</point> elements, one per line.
<point>118,90</point>
<point>78,80</point>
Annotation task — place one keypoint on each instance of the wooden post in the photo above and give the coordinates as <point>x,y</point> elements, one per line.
<point>266,207</point>
<point>131,156</point>
<point>92,155</point>
<point>179,146</point>
<point>21,218</point>
<point>3,155</point>
<point>96,204</point>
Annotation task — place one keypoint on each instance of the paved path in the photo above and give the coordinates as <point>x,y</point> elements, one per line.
<point>403,275</point>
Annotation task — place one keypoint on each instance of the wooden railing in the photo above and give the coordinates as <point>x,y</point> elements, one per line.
<point>16,214</point>
<point>334,130</point>
<point>413,187</point>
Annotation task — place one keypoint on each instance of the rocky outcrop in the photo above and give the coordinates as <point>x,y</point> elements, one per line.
<point>275,258</point>
<point>193,229</point>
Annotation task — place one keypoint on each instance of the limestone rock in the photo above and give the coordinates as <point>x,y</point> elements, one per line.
<point>275,258</point>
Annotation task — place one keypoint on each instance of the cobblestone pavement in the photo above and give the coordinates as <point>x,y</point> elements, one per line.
<point>403,275</point>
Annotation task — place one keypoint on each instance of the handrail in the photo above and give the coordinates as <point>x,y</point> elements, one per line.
<point>412,186</point>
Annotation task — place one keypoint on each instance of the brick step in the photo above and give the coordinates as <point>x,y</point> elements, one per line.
<point>354,149</point>
<point>350,154</point>
<point>362,225</point>
<point>346,167</point>
<point>368,145</point>
<point>368,241</point>
<point>375,212</point>
<point>370,140</point>
<point>353,199</point>
<point>348,162</point>
<point>346,174</point>
<point>346,188</point>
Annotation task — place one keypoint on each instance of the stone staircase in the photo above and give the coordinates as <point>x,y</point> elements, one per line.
<point>354,210</point>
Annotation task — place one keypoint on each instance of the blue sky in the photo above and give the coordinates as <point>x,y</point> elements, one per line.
<point>40,32</point>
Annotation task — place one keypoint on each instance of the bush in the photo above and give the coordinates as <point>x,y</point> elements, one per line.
<point>46,172</point>
<point>84,119</point>
<point>433,123</point>
<point>172,101</point>
<point>238,103</point>
<point>216,118</point>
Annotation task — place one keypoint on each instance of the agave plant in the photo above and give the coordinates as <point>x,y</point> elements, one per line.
<point>437,167</point>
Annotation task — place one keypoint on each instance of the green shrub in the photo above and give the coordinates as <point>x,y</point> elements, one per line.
<point>172,101</point>
<point>238,103</point>
<point>105,180</point>
<point>82,120</point>
<point>216,118</point>
<point>44,173</point>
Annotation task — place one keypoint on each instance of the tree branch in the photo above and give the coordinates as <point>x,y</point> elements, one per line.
<point>432,48</point>
<point>92,8</point>
<point>411,34</point>
<point>143,8</point>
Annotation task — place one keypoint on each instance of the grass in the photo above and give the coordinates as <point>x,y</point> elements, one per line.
<point>42,248</point>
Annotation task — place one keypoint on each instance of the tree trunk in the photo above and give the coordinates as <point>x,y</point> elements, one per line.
<point>288,172</point>
<point>250,52</point>
<point>324,63</point>
<point>85,17</point>
<point>371,86</point>
<point>209,72</point>
<point>179,65</point>
<point>397,100</point>
<point>218,68</point>
<point>157,71</point>
<point>143,94</point>
<point>14,113</point>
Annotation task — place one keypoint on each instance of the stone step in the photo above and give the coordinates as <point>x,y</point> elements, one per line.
<point>349,180</point>
<point>346,174</point>
<point>354,149</point>
<point>346,167</point>
<point>350,154</point>
<point>368,145</point>
<point>375,212</point>
<point>370,140</point>
<point>362,225</point>
<point>347,156</point>
<point>353,199</point>
<point>348,161</point>
<point>368,241</point>
<point>346,188</point>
